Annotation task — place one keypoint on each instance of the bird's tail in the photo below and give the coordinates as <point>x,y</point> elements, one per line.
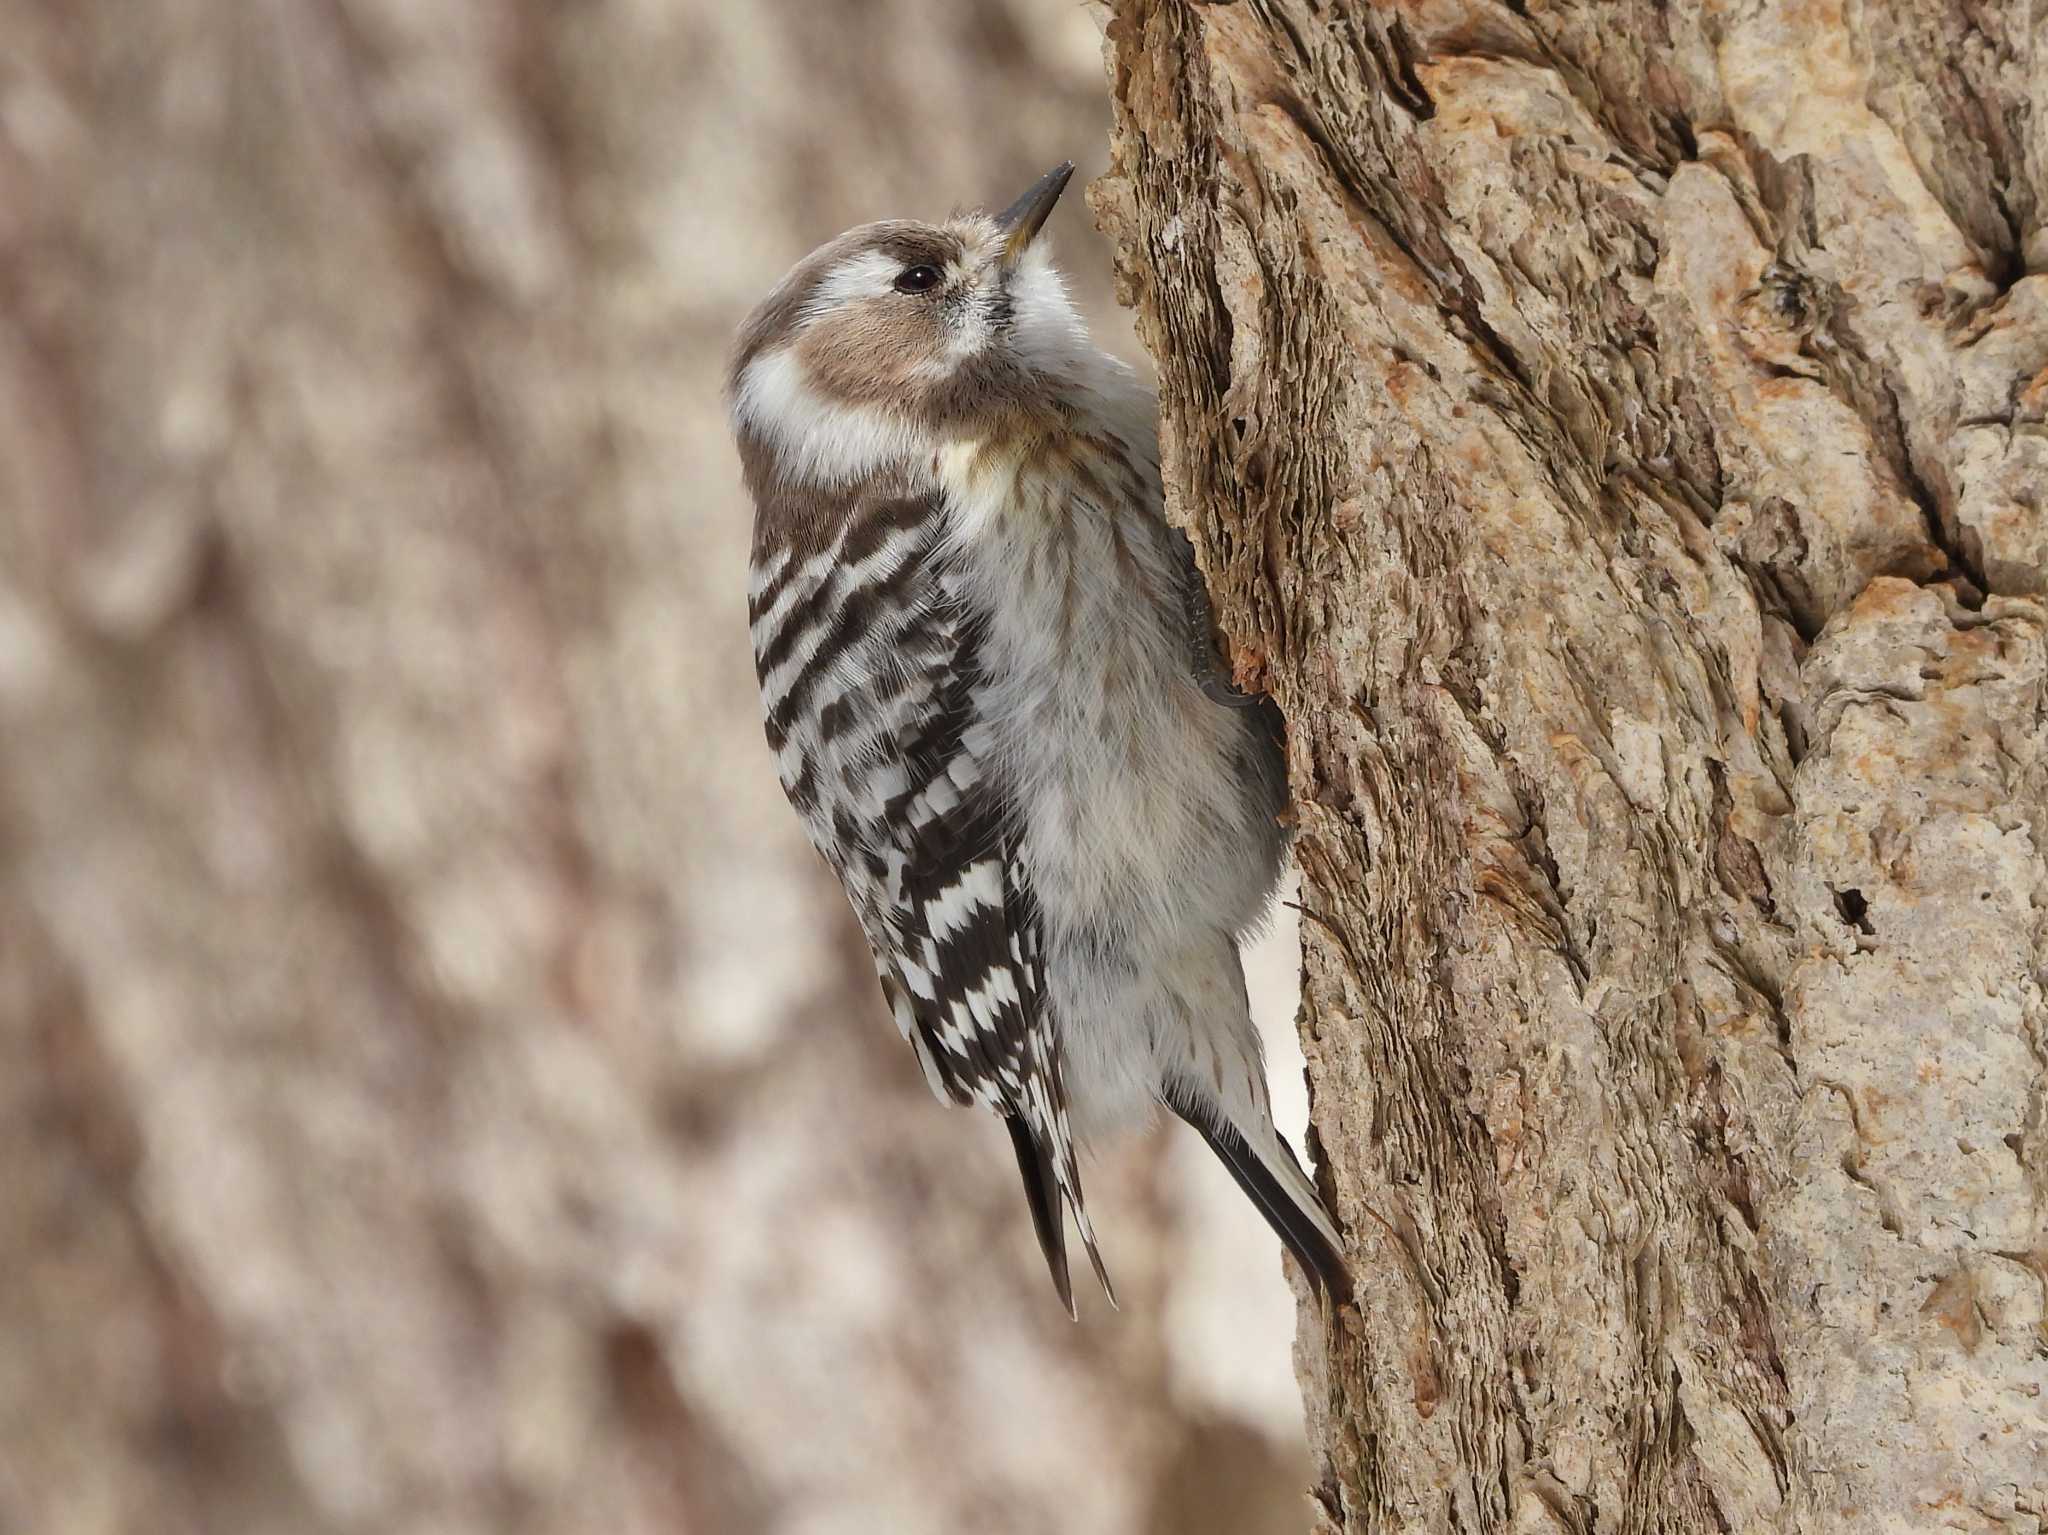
<point>1044,1144</point>
<point>1045,1190</point>
<point>1265,1168</point>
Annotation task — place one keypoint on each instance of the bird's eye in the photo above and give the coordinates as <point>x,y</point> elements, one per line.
<point>917,279</point>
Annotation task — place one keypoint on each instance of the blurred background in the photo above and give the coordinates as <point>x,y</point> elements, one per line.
<point>439,1089</point>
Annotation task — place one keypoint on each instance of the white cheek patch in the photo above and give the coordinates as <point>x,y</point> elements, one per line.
<point>825,442</point>
<point>871,274</point>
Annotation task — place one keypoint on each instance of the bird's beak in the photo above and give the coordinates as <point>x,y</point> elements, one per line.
<point>1020,222</point>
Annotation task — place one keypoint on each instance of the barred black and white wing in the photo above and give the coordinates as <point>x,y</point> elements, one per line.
<point>869,660</point>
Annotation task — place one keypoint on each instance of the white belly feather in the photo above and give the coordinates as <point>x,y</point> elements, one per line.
<point>1146,855</point>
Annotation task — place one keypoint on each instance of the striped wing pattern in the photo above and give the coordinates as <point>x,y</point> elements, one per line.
<point>869,661</point>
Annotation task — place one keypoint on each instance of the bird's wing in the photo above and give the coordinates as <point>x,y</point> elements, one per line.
<point>872,686</point>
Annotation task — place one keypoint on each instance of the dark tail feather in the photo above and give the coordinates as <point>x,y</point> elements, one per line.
<point>1042,1190</point>
<point>1101,1273</point>
<point>1299,1228</point>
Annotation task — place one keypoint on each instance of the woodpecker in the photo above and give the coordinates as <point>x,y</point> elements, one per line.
<point>989,682</point>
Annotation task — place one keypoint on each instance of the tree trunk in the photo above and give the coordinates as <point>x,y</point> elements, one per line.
<point>1615,433</point>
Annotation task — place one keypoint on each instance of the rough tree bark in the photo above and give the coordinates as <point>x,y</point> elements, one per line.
<point>1615,432</point>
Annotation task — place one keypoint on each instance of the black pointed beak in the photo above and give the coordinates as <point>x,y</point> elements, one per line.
<point>1020,222</point>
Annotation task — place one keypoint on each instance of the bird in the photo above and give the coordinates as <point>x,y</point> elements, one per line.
<point>990,682</point>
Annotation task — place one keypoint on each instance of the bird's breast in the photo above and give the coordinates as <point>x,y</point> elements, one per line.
<point>1128,783</point>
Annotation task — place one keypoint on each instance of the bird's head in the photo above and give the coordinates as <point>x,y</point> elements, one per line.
<point>899,336</point>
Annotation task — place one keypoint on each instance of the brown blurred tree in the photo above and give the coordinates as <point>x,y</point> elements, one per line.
<point>1615,431</point>
<point>438,1089</point>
